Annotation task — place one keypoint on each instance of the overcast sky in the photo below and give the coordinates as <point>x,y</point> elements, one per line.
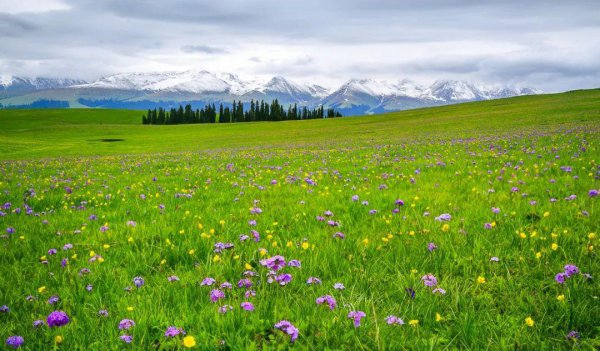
<point>552,45</point>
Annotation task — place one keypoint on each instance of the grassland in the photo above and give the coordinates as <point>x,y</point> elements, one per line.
<point>78,132</point>
<point>469,227</point>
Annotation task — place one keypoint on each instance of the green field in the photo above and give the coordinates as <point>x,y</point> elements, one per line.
<point>77,132</point>
<point>455,227</point>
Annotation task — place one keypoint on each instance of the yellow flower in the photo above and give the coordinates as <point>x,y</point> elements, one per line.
<point>592,236</point>
<point>106,246</point>
<point>529,322</point>
<point>182,231</point>
<point>413,322</point>
<point>262,252</point>
<point>163,261</point>
<point>523,235</point>
<point>41,289</point>
<point>192,251</point>
<point>546,214</point>
<point>58,339</point>
<point>561,297</point>
<point>413,271</point>
<point>216,259</point>
<point>130,239</point>
<point>129,309</point>
<point>222,222</point>
<point>248,266</point>
<point>554,246</point>
<point>189,342</point>
<point>305,245</point>
<point>289,244</point>
<point>480,280</point>
<point>438,317</point>
<point>446,227</point>
<point>538,255</point>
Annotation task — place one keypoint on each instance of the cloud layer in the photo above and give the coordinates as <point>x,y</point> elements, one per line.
<point>546,44</point>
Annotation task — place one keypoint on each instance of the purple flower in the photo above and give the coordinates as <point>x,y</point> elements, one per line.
<point>399,203</point>
<point>103,313</point>
<point>288,328</point>
<point>431,247</point>
<point>339,286</point>
<point>495,210</point>
<point>126,324</point>
<point>252,222</point>
<point>487,226</point>
<point>89,287</point>
<point>173,278</point>
<point>294,263</point>
<point>333,224</point>
<point>57,319</point>
<point>354,197</point>
<point>339,235</point>
<point>244,283</point>
<point>593,193</point>
<point>494,259</point>
<point>274,263</point>
<point>4,309</point>
<point>571,270</point>
<point>560,278</point>
<point>247,306</point>
<point>208,281</point>
<point>15,341</point>
<point>53,299</point>
<point>10,230</point>
<point>52,252</point>
<point>38,323</point>
<point>216,295</point>
<point>328,299</point>
<point>439,291</point>
<point>225,308</point>
<point>126,338</point>
<point>173,332</point>
<point>444,217</point>
<point>249,293</point>
<point>255,235</point>
<point>139,282</point>
<point>356,316</point>
<point>67,247</point>
<point>391,320</point>
<point>573,335</point>
<point>283,279</point>
<point>429,280</point>
<point>313,280</point>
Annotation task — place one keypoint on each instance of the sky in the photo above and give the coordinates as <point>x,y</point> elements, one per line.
<point>550,45</point>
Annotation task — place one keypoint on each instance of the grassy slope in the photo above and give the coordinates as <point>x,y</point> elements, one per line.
<point>53,133</point>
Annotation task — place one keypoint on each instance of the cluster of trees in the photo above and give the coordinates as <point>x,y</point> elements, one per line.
<point>258,111</point>
<point>181,115</point>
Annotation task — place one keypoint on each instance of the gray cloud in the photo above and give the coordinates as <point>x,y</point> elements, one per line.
<point>547,44</point>
<point>203,49</point>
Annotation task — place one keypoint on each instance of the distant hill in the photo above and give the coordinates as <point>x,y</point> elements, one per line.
<point>170,89</point>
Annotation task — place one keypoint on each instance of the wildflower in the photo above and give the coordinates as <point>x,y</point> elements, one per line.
<point>339,286</point>
<point>529,322</point>
<point>481,280</point>
<point>126,338</point>
<point>58,339</point>
<point>189,342</point>
<point>244,283</point>
<point>57,319</point>
<point>339,235</point>
<point>126,324</point>
<point>288,328</point>
<point>561,297</point>
<point>103,313</point>
<point>294,263</point>
<point>560,278</point>
<point>413,322</point>
<point>139,282</point>
<point>438,317</point>
<point>439,291</point>
<point>313,280</point>
<point>216,295</point>
<point>38,323</point>
<point>208,281</point>
<point>356,316</point>
<point>225,308</point>
<point>494,259</point>
<point>571,270</point>
<point>429,280</point>
<point>4,309</point>
<point>274,263</point>
<point>391,320</point>
<point>247,306</point>
<point>444,217</point>
<point>53,299</point>
<point>328,299</point>
<point>173,332</point>
<point>15,341</point>
<point>431,247</point>
<point>283,279</point>
<point>573,335</point>
<point>173,278</point>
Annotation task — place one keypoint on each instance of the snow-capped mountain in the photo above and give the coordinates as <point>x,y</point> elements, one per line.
<point>21,84</point>
<point>198,87</point>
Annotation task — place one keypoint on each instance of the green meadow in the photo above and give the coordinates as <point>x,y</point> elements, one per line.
<point>470,226</point>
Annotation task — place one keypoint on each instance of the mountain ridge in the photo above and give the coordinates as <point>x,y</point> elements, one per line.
<point>137,90</point>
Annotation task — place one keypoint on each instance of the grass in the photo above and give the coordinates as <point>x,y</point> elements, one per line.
<point>155,205</point>
<point>77,132</point>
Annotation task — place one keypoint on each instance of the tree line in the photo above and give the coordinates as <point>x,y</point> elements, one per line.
<point>258,111</point>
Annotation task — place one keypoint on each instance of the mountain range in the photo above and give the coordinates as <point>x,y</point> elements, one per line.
<point>170,89</point>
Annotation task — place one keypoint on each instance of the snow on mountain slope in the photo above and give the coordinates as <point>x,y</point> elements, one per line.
<point>32,84</point>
